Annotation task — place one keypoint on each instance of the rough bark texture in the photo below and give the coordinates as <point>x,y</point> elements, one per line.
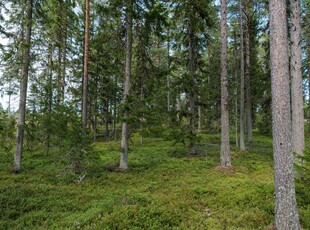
<point>286,215</point>
<point>225,148</point>
<point>247,75</point>
<point>23,89</point>
<point>298,139</point>
<point>124,142</point>
<point>242,115</point>
<point>85,74</point>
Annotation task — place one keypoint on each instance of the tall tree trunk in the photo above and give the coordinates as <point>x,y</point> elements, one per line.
<point>23,89</point>
<point>236,88</point>
<point>124,142</point>
<point>168,71</point>
<point>286,215</point>
<point>85,74</point>
<point>192,70</point>
<point>298,138</point>
<point>225,148</point>
<point>49,97</point>
<point>242,115</point>
<point>247,75</point>
<point>64,57</point>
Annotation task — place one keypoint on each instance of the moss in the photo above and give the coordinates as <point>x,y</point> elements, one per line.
<point>163,189</point>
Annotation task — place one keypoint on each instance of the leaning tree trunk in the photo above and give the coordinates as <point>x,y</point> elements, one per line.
<point>286,215</point>
<point>298,139</point>
<point>124,142</point>
<point>85,72</point>
<point>247,75</point>
<point>242,115</point>
<point>23,89</point>
<point>225,149</point>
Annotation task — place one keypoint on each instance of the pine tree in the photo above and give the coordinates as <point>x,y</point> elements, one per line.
<point>286,215</point>
<point>23,87</point>
<point>225,148</point>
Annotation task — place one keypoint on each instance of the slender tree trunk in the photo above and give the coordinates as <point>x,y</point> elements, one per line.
<point>309,76</point>
<point>242,115</point>
<point>298,138</point>
<point>49,97</point>
<point>23,89</point>
<point>225,148</point>
<point>107,131</point>
<point>178,106</point>
<point>168,71</point>
<point>124,142</point>
<point>142,117</point>
<point>247,75</point>
<point>286,215</point>
<point>192,70</point>
<point>95,106</point>
<point>199,118</point>
<point>64,61</point>
<point>236,88</point>
<point>85,74</point>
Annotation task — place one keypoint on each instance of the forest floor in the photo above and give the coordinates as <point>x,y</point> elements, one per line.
<point>163,189</point>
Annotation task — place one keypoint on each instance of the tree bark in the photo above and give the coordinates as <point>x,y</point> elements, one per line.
<point>286,215</point>
<point>298,138</point>
<point>85,72</point>
<point>236,88</point>
<point>242,115</point>
<point>247,75</point>
<point>192,70</point>
<point>23,89</point>
<point>124,142</point>
<point>225,148</point>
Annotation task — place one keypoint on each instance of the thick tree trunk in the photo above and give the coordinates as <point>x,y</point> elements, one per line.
<point>23,89</point>
<point>85,72</point>
<point>242,115</point>
<point>286,215</point>
<point>124,142</point>
<point>225,148</point>
<point>247,75</point>
<point>298,138</point>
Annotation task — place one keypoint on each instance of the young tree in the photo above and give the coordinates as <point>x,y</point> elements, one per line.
<point>225,149</point>
<point>85,75</point>
<point>23,87</point>
<point>286,215</point>
<point>298,139</point>
<point>124,142</point>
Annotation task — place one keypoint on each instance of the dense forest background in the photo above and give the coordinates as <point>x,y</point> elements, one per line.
<point>81,78</point>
